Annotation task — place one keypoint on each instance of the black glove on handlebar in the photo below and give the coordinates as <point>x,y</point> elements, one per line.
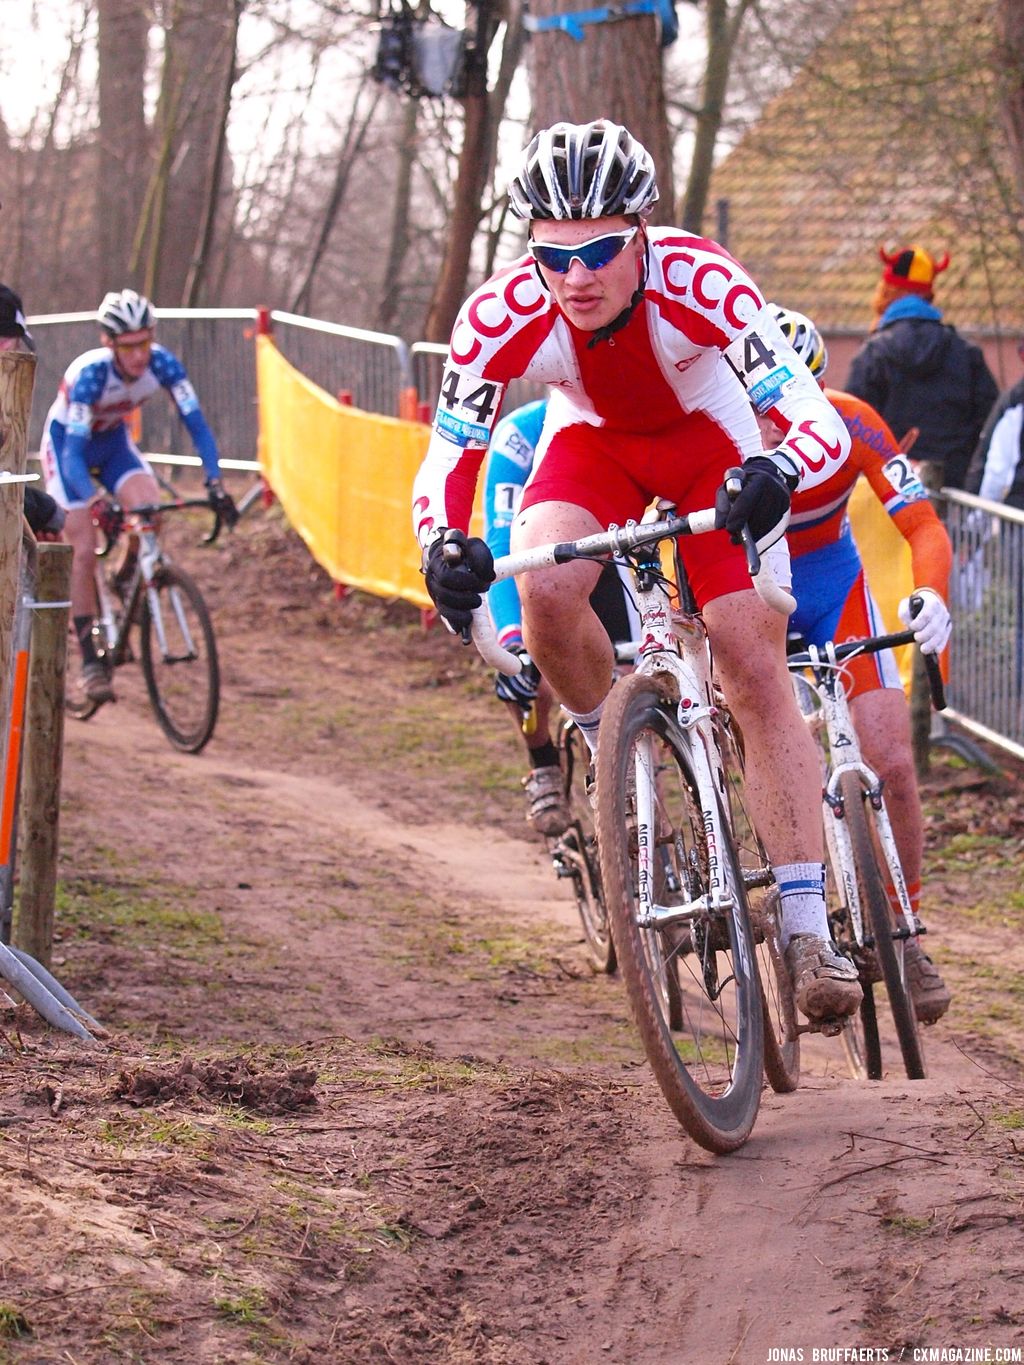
<point>222,502</point>
<point>455,588</point>
<point>520,688</point>
<point>43,514</point>
<point>762,502</point>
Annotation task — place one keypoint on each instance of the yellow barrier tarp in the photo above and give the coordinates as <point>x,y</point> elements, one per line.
<point>887,563</point>
<point>344,478</point>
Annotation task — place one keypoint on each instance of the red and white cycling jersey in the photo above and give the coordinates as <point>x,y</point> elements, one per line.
<point>702,342</point>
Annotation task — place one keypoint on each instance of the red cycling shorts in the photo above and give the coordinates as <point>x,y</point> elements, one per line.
<point>615,476</point>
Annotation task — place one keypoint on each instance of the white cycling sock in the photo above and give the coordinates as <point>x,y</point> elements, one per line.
<point>802,888</point>
<point>587,724</point>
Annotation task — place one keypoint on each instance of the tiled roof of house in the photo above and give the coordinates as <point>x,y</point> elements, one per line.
<point>890,135</point>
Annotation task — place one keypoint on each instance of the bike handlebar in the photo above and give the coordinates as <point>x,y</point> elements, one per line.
<point>617,540</point>
<point>147,511</point>
<point>815,658</point>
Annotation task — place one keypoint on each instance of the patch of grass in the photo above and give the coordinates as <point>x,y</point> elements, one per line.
<point>246,1307</point>
<point>907,1223</point>
<point>143,1129</point>
<point>1009,1118</point>
<point>514,951</point>
<point>13,1323</point>
<point>92,907</point>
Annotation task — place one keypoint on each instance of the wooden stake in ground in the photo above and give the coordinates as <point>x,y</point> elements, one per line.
<point>44,751</point>
<point>17,376</point>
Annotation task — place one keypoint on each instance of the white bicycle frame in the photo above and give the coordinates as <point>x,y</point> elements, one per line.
<point>832,715</point>
<point>150,556</point>
<point>674,645</point>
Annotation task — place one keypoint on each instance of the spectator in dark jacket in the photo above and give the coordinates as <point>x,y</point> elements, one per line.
<point>997,467</point>
<point>918,372</point>
<point>14,333</point>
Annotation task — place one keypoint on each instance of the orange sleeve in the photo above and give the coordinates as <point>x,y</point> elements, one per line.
<point>899,490</point>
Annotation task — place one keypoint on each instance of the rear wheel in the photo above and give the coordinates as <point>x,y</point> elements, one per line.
<point>575,851</point>
<point>781,1039</point>
<point>890,950</point>
<point>179,659</point>
<point>691,980</point>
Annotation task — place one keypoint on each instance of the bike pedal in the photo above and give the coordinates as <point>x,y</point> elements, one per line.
<point>828,1028</point>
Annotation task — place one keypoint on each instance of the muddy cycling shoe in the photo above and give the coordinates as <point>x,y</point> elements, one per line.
<point>928,991</point>
<point>96,684</point>
<point>824,982</point>
<point>547,810</point>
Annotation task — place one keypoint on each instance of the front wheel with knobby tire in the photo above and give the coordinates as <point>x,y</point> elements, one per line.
<point>179,659</point>
<point>692,979</point>
<point>889,949</point>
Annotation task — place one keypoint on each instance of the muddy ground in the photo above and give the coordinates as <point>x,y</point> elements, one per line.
<point>361,1098</point>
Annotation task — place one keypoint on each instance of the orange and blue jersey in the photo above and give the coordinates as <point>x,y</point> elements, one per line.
<point>833,599</point>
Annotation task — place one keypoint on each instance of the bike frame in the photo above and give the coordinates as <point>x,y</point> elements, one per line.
<point>669,643</point>
<point>677,644</point>
<point>150,556</point>
<point>832,716</point>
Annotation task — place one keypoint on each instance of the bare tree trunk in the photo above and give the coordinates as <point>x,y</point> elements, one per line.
<point>199,48</point>
<point>615,72</point>
<point>204,244</point>
<point>387,310</point>
<point>355,134</point>
<point>723,29</point>
<point>482,116</point>
<point>123,137</point>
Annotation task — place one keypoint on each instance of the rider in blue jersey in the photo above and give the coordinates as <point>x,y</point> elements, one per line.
<point>510,460</point>
<point>86,434</point>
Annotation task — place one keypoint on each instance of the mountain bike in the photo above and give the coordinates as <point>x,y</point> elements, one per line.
<point>691,958</point>
<point>863,871</point>
<point>177,648</point>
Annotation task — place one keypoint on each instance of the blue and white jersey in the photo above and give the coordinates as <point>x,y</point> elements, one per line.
<point>511,457</point>
<point>509,464</point>
<point>95,400</point>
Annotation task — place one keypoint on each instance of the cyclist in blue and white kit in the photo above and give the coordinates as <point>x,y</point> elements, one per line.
<point>510,460</point>
<point>86,434</point>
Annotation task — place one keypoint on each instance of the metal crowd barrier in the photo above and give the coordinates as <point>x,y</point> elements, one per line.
<point>428,362</point>
<point>986,659</point>
<point>380,372</point>
<point>217,347</point>
<point>373,367</point>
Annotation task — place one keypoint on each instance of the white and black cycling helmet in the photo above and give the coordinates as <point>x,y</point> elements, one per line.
<point>804,338</point>
<point>584,170</point>
<point>125,311</point>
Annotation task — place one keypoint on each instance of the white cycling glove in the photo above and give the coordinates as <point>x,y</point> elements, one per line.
<point>932,625</point>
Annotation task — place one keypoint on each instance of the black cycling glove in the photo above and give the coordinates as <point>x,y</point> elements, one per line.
<point>762,502</point>
<point>44,515</point>
<point>222,502</point>
<point>455,589</point>
<point>519,688</point>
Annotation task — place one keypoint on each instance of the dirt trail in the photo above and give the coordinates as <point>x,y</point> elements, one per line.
<point>486,1172</point>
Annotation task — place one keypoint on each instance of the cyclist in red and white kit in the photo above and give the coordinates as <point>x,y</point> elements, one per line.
<point>657,346</point>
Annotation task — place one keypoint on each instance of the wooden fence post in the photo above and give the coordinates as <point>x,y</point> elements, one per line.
<point>44,750</point>
<point>17,375</point>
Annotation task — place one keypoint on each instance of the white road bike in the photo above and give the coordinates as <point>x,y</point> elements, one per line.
<point>864,874</point>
